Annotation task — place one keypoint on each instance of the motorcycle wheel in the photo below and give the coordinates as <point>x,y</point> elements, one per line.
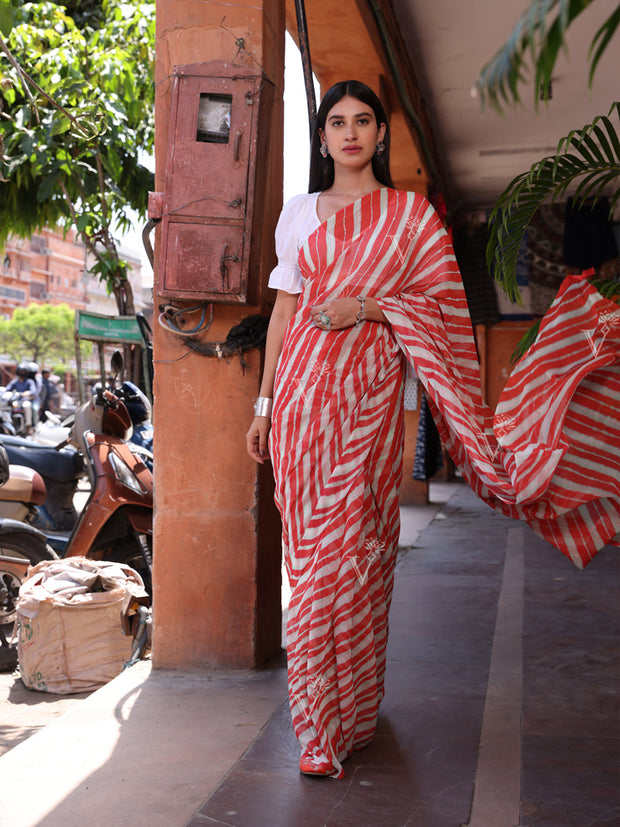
<point>132,554</point>
<point>17,544</point>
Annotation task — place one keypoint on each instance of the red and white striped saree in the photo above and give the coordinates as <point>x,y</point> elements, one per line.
<point>551,455</point>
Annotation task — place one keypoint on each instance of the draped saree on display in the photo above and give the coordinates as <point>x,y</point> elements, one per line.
<point>550,455</point>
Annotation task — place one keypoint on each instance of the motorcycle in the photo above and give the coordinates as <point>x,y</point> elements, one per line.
<point>21,545</point>
<point>61,471</point>
<point>64,470</point>
<point>12,413</point>
<point>116,522</point>
<point>50,430</point>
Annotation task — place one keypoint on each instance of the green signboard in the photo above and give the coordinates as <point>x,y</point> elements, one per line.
<point>98,328</point>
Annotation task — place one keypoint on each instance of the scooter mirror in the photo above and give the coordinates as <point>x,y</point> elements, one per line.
<point>116,362</point>
<point>51,417</point>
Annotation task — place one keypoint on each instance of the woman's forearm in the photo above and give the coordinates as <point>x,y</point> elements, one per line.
<point>283,311</point>
<point>273,347</point>
<point>373,311</point>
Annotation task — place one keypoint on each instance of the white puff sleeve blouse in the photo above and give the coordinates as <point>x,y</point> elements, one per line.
<point>297,221</point>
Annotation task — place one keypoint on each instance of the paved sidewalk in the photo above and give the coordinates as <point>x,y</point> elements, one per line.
<point>501,709</point>
<point>501,704</point>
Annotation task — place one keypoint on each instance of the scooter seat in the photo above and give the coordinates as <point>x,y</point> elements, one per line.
<point>24,485</point>
<point>61,466</point>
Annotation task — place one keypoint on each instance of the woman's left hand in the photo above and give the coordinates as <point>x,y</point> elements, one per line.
<point>341,313</point>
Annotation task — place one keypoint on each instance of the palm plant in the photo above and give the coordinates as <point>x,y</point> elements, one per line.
<point>587,160</point>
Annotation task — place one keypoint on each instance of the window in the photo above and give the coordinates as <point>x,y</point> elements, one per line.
<point>214,118</point>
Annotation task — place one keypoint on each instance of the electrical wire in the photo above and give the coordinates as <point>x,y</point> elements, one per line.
<point>170,314</point>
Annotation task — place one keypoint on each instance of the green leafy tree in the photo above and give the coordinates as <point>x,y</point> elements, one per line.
<point>40,332</point>
<point>587,160</point>
<point>76,112</point>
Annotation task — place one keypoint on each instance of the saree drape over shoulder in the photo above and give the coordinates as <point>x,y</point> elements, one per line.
<point>549,455</point>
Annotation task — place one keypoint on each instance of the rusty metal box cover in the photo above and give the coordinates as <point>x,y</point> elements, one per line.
<point>216,160</point>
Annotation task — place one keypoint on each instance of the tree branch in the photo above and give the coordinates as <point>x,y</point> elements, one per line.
<point>24,76</point>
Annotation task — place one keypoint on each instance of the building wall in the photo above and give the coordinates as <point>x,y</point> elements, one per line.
<point>50,268</point>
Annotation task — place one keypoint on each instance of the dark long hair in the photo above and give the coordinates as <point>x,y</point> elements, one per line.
<point>322,169</point>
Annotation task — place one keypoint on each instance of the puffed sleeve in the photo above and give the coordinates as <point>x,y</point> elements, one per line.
<point>287,275</point>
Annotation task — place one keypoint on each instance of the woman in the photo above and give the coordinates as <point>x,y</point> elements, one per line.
<point>366,274</point>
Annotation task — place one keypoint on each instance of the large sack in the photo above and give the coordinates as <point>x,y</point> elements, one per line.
<point>69,616</point>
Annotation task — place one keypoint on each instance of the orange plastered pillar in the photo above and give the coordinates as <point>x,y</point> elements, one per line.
<point>216,531</point>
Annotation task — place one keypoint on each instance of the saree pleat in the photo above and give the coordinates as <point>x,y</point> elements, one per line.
<point>550,455</point>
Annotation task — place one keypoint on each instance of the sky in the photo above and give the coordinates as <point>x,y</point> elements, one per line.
<point>296,130</point>
<point>296,149</point>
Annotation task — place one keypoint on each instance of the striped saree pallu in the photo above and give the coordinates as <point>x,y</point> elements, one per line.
<point>337,434</point>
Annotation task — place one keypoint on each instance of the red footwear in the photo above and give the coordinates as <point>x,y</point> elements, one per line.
<point>309,764</point>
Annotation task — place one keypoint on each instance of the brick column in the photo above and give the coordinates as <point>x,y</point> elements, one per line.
<point>216,532</point>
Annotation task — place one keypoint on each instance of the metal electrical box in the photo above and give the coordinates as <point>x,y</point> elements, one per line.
<point>217,160</point>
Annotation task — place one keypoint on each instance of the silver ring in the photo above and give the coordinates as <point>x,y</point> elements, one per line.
<point>325,320</point>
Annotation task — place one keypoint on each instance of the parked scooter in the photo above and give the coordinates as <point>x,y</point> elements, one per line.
<point>61,471</point>
<point>21,545</point>
<point>116,522</point>
<point>50,430</point>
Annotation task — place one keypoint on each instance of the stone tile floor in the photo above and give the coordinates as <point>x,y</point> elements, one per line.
<point>501,704</point>
<point>501,709</point>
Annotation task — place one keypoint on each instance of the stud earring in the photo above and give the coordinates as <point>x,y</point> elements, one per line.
<point>324,150</point>
<point>380,147</point>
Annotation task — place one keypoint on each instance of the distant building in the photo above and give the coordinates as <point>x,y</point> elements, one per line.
<point>52,268</point>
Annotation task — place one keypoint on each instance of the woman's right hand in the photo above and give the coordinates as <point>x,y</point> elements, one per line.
<point>257,438</point>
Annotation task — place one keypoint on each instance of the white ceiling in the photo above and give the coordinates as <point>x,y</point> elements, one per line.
<point>449,41</point>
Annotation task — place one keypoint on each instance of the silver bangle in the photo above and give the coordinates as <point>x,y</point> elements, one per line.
<point>362,311</point>
<point>263,406</point>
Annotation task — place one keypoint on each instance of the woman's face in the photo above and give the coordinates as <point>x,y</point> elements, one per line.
<point>351,133</point>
